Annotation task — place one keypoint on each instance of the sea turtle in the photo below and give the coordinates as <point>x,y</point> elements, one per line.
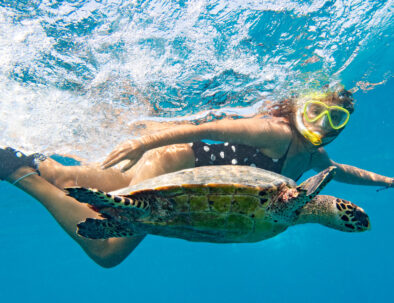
<point>221,204</point>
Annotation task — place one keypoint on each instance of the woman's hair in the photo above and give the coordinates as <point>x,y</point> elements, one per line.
<point>287,107</point>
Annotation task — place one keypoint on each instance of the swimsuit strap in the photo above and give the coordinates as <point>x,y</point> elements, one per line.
<point>310,160</point>
<point>284,157</point>
<point>288,149</point>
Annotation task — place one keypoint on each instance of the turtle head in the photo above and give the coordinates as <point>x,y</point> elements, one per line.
<point>335,213</point>
<point>293,199</point>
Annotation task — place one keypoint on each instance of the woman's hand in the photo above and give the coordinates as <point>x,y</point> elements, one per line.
<point>390,184</point>
<point>131,150</point>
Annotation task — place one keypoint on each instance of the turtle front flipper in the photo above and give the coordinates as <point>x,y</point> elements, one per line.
<point>335,213</point>
<point>100,200</point>
<point>103,229</point>
<point>315,184</point>
<point>291,199</point>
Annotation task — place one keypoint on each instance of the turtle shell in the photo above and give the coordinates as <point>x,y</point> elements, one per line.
<point>214,204</point>
<point>212,176</point>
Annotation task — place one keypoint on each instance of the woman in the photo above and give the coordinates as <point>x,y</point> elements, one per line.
<point>289,141</point>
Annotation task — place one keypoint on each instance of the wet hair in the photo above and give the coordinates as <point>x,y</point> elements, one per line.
<point>287,107</point>
<point>346,100</point>
<point>284,108</point>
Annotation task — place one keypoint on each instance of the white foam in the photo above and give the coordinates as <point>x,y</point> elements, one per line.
<point>78,91</point>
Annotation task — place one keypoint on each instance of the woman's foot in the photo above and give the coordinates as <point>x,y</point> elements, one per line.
<point>11,160</point>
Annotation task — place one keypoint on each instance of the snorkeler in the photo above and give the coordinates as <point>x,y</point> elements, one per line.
<point>288,140</point>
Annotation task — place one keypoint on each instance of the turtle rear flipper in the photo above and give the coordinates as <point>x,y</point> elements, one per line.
<point>103,229</point>
<point>315,184</point>
<point>99,200</point>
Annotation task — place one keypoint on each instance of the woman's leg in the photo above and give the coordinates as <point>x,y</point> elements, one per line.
<point>161,161</point>
<point>86,176</point>
<point>68,212</point>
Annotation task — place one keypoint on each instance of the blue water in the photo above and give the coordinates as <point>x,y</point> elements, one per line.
<point>75,75</point>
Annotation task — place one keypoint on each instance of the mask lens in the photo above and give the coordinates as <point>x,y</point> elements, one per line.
<point>313,111</point>
<point>339,117</point>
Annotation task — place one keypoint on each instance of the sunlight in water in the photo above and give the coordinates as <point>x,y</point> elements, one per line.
<point>76,75</point>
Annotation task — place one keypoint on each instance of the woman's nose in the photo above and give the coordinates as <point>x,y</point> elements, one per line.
<point>324,122</point>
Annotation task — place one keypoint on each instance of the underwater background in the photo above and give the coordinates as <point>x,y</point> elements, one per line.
<point>79,77</point>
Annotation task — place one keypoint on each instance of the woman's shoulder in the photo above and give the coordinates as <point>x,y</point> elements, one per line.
<point>274,133</point>
<point>277,125</point>
<point>272,119</point>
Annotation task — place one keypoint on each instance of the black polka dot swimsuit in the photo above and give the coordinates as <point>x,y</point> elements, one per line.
<point>235,154</point>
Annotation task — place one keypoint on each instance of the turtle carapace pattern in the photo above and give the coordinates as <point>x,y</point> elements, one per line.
<point>219,204</point>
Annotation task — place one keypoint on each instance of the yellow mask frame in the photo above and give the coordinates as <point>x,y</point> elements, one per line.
<point>326,112</point>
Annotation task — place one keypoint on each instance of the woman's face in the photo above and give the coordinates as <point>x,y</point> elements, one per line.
<point>324,119</point>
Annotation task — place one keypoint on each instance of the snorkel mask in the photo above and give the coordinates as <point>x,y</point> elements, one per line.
<point>312,110</point>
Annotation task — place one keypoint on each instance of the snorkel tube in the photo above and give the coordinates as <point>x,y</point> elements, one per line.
<point>314,137</point>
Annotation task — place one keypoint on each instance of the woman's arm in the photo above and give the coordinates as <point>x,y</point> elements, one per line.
<point>261,133</point>
<point>349,174</point>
